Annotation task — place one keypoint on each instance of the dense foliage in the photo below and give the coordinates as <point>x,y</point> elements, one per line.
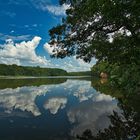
<point>107,30</point>
<point>14,70</point>
<point>126,76</point>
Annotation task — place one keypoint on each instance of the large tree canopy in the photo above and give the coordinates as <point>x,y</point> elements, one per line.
<point>105,29</point>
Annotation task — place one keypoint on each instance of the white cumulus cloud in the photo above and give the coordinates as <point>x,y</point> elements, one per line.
<point>71,63</point>
<point>22,53</point>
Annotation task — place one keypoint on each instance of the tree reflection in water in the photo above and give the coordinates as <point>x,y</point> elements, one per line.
<point>124,126</point>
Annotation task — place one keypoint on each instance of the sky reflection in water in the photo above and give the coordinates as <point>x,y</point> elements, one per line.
<point>54,111</point>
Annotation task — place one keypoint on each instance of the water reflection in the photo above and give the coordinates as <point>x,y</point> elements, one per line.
<point>54,104</point>
<point>124,126</point>
<point>92,114</point>
<point>82,90</point>
<point>54,111</point>
<point>22,98</point>
<point>14,83</point>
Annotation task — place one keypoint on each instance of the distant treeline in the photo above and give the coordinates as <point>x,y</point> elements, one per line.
<point>14,70</point>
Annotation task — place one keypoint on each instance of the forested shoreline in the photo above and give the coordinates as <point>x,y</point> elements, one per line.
<point>14,70</point>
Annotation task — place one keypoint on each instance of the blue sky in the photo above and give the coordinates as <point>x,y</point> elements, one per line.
<point>24,26</point>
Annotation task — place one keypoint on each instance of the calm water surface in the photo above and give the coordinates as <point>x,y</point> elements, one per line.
<point>52,109</point>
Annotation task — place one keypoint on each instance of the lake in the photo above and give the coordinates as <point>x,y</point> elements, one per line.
<point>62,108</point>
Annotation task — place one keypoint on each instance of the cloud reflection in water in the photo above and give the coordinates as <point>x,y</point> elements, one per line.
<point>22,98</point>
<point>54,104</point>
<point>90,110</point>
<point>92,114</point>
